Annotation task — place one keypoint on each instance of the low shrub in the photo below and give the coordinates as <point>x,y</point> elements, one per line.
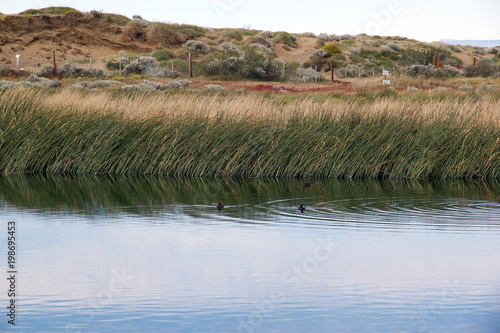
<point>351,71</point>
<point>485,68</point>
<point>267,34</point>
<point>394,46</point>
<point>465,88</point>
<point>453,71</point>
<point>327,37</point>
<point>120,20</point>
<point>415,70</point>
<point>285,38</point>
<point>308,34</point>
<point>454,48</point>
<point>249,64</point>
<point>485,87</point>
<point>42,82</point>
<point>156,86</point>
<point>97,14</point>
<point>213,87</point>
<point>73,13</point>
<point>102,84</point>
<point>307,75</point>
<point>355,50</point>
<point>162,54</point>
<point>197,46</point>
<point>232,34</point>
<point>385,50</point>
<point>48,11</point>
<point>261,47</point>
<point>150,67</point>
<point>441,89</point>
<point>321,53</point>
<point>261,40</point>
<point>69,70</point>
<point>319,43</point>
<point>331,49</point>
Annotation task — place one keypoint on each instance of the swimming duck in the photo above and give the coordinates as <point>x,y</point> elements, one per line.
<point>302,208</point>
<point>220,206</point>
<point>306,184</point>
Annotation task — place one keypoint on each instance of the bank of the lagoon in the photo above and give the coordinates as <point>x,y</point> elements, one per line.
<point>232,134</point>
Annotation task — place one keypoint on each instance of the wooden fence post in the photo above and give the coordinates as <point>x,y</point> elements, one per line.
<point>331,69</point>
<point>53,63</point>
<point>190,65</point>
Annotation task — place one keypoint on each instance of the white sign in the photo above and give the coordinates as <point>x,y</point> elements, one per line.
<point>386,81</point>
<point>385,72</point>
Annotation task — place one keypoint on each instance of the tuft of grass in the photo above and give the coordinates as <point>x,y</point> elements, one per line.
<point>411,136</point>
<point>49,11</point>
<point>162,54</point>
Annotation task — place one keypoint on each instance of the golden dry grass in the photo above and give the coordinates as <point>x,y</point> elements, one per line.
<point>477,110</point>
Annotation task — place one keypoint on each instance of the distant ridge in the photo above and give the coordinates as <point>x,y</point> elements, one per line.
<point>471,42</point>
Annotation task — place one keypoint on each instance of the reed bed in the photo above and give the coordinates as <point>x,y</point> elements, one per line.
<point>249,135</point>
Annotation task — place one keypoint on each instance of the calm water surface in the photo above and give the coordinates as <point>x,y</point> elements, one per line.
<point>146,254</point>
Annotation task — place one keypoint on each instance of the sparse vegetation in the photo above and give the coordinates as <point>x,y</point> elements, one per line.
<point>254,54</point>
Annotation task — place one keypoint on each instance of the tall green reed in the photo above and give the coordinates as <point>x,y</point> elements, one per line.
<point>209,135</point>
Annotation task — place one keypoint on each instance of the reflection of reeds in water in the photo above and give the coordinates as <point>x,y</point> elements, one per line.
<point>148,195</point>
<point>237,135</point>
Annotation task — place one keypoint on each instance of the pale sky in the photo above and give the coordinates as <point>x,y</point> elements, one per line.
<point>425,20</point>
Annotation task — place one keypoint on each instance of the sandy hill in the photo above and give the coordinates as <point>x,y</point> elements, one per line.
<point>73,35</point>
<point>70,37</point>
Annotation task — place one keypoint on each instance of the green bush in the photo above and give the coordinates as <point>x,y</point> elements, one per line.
<point>331,48</point>
<point>191,31</point>
<point>162,54</point>
<point>48,11</point>
<point>319,43</point>
<point>73,13</point>
<point>232,34</point>
<point>97,14</point>
<point>385,50</point>
<point>316,61</point>
<point>285,38</point>
<point>116,19</point>
<point>250,64</point>
<point>197,46</point>
<point>394,46</point>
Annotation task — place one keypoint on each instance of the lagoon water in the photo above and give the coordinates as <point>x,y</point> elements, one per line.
<point>152,254</point>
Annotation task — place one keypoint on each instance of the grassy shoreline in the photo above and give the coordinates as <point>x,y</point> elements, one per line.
<point>250,135</point>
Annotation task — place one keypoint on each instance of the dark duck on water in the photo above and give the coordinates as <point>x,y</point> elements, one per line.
<point>302,208</point>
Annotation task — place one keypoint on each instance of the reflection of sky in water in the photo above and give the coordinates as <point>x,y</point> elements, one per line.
<point>197,270</point>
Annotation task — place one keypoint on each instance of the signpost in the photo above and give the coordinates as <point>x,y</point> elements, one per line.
<point>385,82</point>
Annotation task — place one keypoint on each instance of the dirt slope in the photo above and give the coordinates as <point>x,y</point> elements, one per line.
<point>301,53</point>
<point>37,36</point>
